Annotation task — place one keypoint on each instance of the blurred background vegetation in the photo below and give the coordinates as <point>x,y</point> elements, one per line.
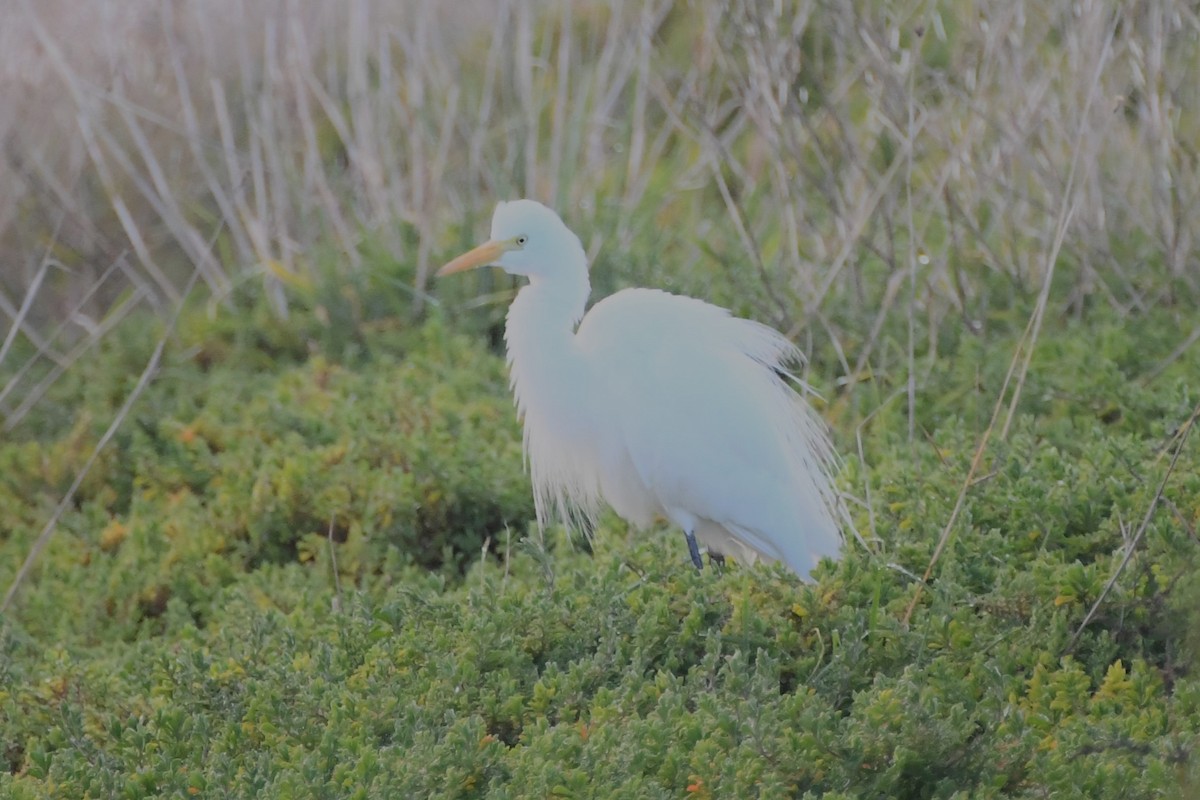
<point>828,167</point>
<point>262,508</point>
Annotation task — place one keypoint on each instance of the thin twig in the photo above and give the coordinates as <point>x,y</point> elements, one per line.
<point>1067,210</point>
<point>113,318</point>
<point>1180,441</point>
<point>147,376</point>
<point>1025,346</point>
<point>720,155</point>
<point>1175,355</point>
<point>862,459</point>
<point>1028,339</point>
<point>19,320</point>
<point>337,578</point>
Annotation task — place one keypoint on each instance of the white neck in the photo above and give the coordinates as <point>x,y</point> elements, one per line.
<point>555,385</point>
<point>540,327</point>
<point>549,376</point>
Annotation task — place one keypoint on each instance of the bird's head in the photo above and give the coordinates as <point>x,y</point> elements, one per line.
<point>527,239</point>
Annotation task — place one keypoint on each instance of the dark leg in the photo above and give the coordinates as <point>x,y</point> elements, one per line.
<point>716,559</point>
<point>694,549</point>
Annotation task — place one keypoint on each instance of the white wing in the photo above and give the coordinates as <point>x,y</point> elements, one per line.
<point>697,421</point>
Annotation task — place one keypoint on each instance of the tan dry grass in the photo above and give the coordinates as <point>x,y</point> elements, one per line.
<point>838,164</point>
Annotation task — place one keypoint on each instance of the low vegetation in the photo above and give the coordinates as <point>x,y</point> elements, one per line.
<point>307,568</point>
<point>264,525</point>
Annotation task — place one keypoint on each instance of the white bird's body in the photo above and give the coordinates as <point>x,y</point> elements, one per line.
<point>658,405</point>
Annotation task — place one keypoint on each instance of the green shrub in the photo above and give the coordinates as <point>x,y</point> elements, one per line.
<point>272,585</point>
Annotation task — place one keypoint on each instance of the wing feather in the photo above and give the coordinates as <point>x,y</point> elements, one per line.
<point>700,406</point>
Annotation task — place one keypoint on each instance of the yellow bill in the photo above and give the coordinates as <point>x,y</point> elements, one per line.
<point>481,256</point>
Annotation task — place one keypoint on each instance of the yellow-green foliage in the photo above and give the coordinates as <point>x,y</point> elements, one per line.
<point>271,585</point>
<point>410,458</point>
<point>305,564</point>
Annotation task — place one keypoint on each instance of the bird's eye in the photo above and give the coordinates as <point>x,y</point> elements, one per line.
<point>521,240</point>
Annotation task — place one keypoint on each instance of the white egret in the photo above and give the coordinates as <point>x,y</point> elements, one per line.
<point>659,405</point>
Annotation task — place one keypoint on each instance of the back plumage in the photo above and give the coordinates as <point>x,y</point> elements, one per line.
<point>707,423</point>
